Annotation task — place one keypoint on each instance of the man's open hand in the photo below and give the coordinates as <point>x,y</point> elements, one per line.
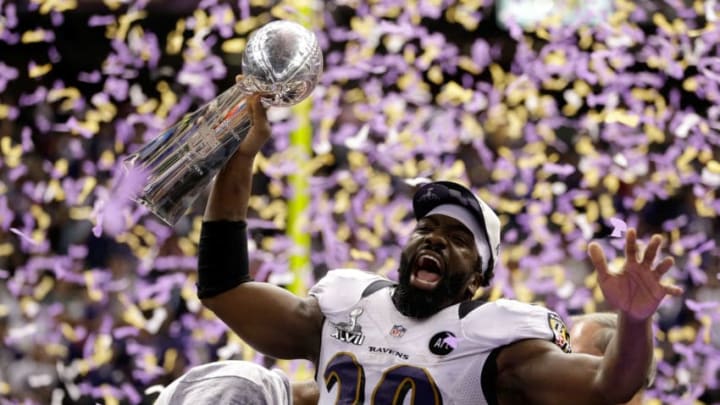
<point>636,289</point>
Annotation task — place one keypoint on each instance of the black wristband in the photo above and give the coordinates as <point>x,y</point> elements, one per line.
<point>223,257</point>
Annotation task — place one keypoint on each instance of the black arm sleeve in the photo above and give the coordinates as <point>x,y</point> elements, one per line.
<point>222,258</point>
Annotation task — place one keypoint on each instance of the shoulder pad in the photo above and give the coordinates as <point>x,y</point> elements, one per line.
<point>505,321</point>
<point>340,289</point>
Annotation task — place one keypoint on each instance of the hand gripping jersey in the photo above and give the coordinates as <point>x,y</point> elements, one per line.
<point>372,354</point>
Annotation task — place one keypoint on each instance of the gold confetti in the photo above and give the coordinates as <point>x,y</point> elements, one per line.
<point>435,74</point>
<point>41,290</point>
<point>68,332</point>
<point>356,254</point>
<point>523,293</point>
<point>175,38</point>
<point>170,360</point>
<point>512,207</point>
<point>107,158</point>
<point>342,202</point>
<point>125,22</point>
<point>654,134</point>
<point>13,154</point>
<point>148,106</point>
<point>681,334</point>
<point>32,36</point>
<point>4,111</point>
<point>39,70</point>
<point>71,94</point>
<point>556,57</point>
<point>188,247</point>
<point>80,213</point>
<point>235,45</point>
<point>688,155</point>
<point>713,166</point>
<point>586,38</point>
<point>623,117</point>
<point>661,22</point>
<point>690,84</point>
<point>454,94</point>
<point>46,6</point>
<point>113,4</point>
<point>109,397</point>
<point>704,209</point>
<point>6,249</point>
<point>132,314</point>
<point>639,203</point>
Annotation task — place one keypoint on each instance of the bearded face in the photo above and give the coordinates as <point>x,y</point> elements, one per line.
<point>438,268</point>
<point>419,303</point>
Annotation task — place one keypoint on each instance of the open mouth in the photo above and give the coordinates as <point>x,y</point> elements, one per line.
<point>427,271</point>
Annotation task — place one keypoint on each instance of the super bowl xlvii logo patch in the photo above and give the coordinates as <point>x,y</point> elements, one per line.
<point>561,336</point>
<point>351,331</point>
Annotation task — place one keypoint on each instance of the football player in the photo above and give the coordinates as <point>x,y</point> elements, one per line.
<point>424,340</point>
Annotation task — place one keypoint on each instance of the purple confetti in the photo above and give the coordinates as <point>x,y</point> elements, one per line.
<point>619,228</point>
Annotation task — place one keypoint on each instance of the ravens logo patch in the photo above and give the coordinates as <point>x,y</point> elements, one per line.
<point>561,336</point>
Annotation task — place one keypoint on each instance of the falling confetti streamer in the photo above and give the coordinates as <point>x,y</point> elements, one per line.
<point>619,228</point>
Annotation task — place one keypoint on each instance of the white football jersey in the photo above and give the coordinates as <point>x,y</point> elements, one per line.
<point>372,354</point>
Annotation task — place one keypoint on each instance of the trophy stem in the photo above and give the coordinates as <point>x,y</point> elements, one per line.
<point>183,159</point>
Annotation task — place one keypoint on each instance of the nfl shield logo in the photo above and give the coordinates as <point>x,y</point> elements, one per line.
<point>397,331</point>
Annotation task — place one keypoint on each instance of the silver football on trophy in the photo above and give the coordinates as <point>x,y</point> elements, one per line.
<point>282,60</point>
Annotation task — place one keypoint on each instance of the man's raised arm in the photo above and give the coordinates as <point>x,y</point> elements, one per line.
<point>269,318</point>
<point>536,371</point>
<point>636,292</point>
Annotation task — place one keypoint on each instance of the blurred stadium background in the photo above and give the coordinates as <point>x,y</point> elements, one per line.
<point>573,120</point>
